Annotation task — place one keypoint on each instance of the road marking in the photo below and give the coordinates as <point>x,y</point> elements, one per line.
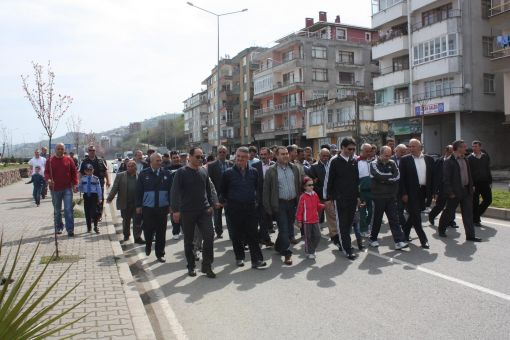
<point>500,224</point>
<point>442,276</point>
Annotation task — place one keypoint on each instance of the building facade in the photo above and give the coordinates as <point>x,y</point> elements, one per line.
<point>325,59</point>
<point>196,121</point>
<point>436,80</point>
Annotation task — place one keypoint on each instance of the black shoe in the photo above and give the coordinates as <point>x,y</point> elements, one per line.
<point>477,224</point>
<point>126,238</point>
<point>259,264</point>
<point>240,263</point>
<point>453,226</point>
<point>409,239</point>
<point>96,230</point>
<point>147,249</point>
<point>161,259</point>
<point>71,234</point>
<point>219,236</point>
<point>425,245</point>
<point>351,256</point>
<point>140,241</point>
<point>59,232</point>
<point>360,244</point>
<point>89,230</point>
<point>192,272</point>
<point>431,221</point>
<point>442,233</point>
<point>209,273</point>
<point>268,243</point>
<point>474,239</point>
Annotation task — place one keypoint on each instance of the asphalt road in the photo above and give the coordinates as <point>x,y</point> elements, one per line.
<point>455,290</point>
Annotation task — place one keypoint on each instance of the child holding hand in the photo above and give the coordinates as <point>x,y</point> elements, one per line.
<point>307,216</point>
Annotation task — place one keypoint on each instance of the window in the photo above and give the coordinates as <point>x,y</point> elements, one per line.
<point>341,34</point>
<point>263,84</point>
<point>487,44</point>
<point>345,57</point>
<point>245,113</point>
<point>316,94</point>
<point>320,74</point>
<point>245,96</point>
<point>319,52</point>
<point>400,63</point>
<point>315,117</point>
<point>344,114</point>
<point>436,48</point>
<point>368,36</point>
<point>245,78</point>
<point>244,61</point>
<point>344,93</point>
<point>288,56</point>
<point>269,103</point>
<point>346,78</point>
<point>379,97</point>
<point>436,15</point>
<point>292,99</point>
<point>489,86</point>
<point>486,8</point>
<point>438,88</point>
<point>401,95</point>
<point>288,78</point>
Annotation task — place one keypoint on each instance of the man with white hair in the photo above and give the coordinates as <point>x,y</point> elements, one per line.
<point>364,188</point>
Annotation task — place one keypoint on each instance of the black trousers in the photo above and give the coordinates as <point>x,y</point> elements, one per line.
<point>265,223</point>
<point>202,220</point>
<point>90,208</point>
<point>415,205</point>
<point>481,189</point>
<point>154,222</point>
<point>218,221</point>
<point>243,219</point>
<point>345,210</point>
<point>466,207</point>
<point>99,210</point>
<point>438,207</point>
<point>388,206</point>
<point>176,227</point>
<point>128,215</point>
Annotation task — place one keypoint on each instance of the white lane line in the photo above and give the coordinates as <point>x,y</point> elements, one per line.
<point>443,276</point>
<point>499,224</point>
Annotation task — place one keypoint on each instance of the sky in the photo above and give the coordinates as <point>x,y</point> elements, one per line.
<point>125,61</point>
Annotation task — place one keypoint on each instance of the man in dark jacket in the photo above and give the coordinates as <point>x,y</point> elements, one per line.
<point>215,170</point>
<point>384,189</point>
<point>458,186</point>
<point>480,166</point>
<point>265,220</point>
<point>100,171</point>
<point>153,201</point>
<point>438,191</point>
<point>342,182</point>
<point>416,187</point>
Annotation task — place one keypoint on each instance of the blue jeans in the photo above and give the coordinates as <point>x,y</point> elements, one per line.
<point>36,193</point>
<point>57,197</point>
<point>285,218</point>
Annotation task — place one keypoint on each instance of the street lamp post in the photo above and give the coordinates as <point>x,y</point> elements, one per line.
<point>218,106</point>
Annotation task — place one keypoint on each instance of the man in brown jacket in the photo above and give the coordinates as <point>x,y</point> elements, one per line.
<point>125,186</point>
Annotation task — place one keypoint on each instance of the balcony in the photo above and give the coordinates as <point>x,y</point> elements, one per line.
<point>451,24</point>
<point>445,100</point>
<point>341,126</point>
<point>499,11</point>
<point>417,4</point>
<point>284,107</point>
<point>392,44</point>
<point>392,110</point>
<point>392,76</point>
<point>389,14</point>
<point>281,87</point>
<point>500,61</point>
<point>438,67</point>
<point>452,13</point>
<point>276,66</point>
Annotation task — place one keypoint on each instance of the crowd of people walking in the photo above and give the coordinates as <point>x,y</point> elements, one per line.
<point>282,186</point>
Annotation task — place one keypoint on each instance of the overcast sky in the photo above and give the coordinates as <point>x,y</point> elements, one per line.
<point>125,61</point>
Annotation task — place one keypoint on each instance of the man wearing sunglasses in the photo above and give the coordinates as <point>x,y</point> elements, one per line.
<point>192,205</point>
<point>341,183</point>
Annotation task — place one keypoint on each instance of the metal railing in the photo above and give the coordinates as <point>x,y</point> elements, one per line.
<point>390,35</point>
<point>393,102</point>
<point>376,5</point>
<point>275,63</point>
<point>392,69</point>
<point>343,123</point>
<point>277,108</point>
<point>501,53</point>
<point>451,91</point>
<point>318,35</point>
<point>501,7</point>
<point>438,17</point>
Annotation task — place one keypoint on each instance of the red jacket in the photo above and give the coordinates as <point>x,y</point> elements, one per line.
<point>308,208</point>
<point>63,172</point>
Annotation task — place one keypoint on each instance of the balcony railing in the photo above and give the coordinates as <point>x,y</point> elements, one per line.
<point>350,83</point>
<point>392,69</point>
<point>280,85</point>
<point>501,47</point>
<point>451,91</point>
<point>277,108</point>
<point>503,53</point>
<point>498,7</point>
<point>275,63</point>
<point>332,125</point>
<point>379,6</point>
<point>392,34</point>
<point>320,36</point>
<point>393,102</point>
<point>438,17</point>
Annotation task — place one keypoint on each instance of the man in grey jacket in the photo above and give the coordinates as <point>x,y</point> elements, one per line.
<point>282,185</point>
<point>125,186</point>
<point>384,188</point>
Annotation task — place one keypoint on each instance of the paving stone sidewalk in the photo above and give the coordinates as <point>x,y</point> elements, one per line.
<point>113,303</point>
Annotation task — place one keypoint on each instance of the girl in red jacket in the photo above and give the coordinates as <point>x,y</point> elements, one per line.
<point>307,216</point>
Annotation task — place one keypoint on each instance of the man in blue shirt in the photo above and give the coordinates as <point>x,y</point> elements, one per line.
<point>239,195</point>
<point>153,202</point>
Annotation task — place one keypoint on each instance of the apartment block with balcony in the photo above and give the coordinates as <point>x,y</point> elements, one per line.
<point>498,46</point>
<point>435,69</point>
<point>196,121</point>
<point>323,60</point>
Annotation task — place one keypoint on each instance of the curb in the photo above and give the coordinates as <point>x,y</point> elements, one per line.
<point>141,323</point>
<point>497,213</point>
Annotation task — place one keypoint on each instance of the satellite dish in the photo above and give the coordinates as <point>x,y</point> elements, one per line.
<point>468,86</point>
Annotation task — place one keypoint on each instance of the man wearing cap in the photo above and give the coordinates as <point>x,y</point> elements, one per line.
<point>100,171</point>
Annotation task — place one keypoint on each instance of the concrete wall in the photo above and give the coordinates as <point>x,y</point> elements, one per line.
<point>9,177</point>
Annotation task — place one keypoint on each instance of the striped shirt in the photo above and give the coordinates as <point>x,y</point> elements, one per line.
<point>286,187</point>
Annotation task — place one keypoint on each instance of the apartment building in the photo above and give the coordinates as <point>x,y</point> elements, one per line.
<point>196,122</point>
<point>328,60</point>
<point>499,19</point>
<point>436,80</point>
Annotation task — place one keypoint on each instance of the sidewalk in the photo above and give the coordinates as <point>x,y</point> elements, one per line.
<point>113,303</point>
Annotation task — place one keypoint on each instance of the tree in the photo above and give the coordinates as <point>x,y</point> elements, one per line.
<point>73,127</point>
<point>48,106</point>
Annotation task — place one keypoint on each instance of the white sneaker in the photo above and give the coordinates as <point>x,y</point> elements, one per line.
<point>401,245</point>
<point>310,256</point>
<point>365,234</point>
<point>175,237</point>
<point>374,244</point>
